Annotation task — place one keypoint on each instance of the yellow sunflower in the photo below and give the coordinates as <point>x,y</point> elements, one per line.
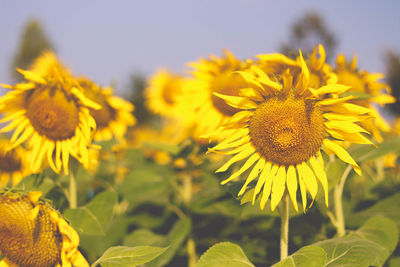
<point>14,163</point>
<point>281,127</point>
<point>164,95</point>
<point>34,234</point>
<point>51,113</point>
<point>321,73</point>
<point>216,76</point>
<point>115,114</point>
<point>366,83</point>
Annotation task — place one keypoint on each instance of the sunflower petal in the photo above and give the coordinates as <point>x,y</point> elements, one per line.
<point>291,184</point>
<point>342,154</point>
<point>278,187</point>
<point>244,168</point>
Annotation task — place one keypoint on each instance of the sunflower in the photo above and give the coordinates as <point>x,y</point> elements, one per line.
<point>216,76</point>
<point>321,73</point>
<point>165,95</point>
<point>14,163</point>
<point>34,234</point>
<point>51,113</point>
<point>115,114</point>
<point>370,92</point>
<point>281,128</point>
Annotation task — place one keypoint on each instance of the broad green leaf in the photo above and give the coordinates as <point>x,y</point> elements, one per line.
<point>367,153</point>
<point>308,256</point>
<point>224,254</point>
<point>371,245</point>
<point>128,256</point>
<point>146,183</point>
<point>143,237</point>
<point>175,239</point>
<point>388,207</point>
<point>38,182</point>
<point>94,218</point>
<point>394,262</point>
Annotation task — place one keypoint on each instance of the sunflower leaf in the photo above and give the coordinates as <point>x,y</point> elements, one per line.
<point>94,218</point>
<point>128,256</point>
<point>224,254</point>
<point>308,256</point>
<point>371,245</point>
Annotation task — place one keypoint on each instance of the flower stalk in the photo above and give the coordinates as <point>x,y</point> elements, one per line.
<point>339,222</point>
<point>284,211</point>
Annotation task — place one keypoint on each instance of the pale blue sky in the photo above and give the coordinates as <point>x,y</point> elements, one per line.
<point>108,40</point>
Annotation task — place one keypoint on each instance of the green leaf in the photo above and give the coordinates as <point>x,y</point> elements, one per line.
<point>94,218</point>
<point>143,237</point>
<point>388,207</point>
<point>367,153</point>
<point>176,236</point>
<point>128,256</point>
<point>359,95</point>
<point>224,254</point>
<point>308,256</point>
<point>370,245</point>
<point>146,183</point>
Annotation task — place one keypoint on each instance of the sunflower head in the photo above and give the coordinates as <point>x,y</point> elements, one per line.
<point>14,163</point>
<point>115,114</point>
<point>218,75</point>
<point>371,92</point>
<point>34,234</point>
<point>50,112</point>
<point>281,128</point>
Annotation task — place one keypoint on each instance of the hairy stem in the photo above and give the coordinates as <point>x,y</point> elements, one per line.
<point>338,195</point>
<point>284,226</point>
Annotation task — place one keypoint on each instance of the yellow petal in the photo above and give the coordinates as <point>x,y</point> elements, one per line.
<point>342,154</point>
<point>32,76</point>
<point>85,101</point>
<point>345,126</point>
<point>244,168</point>
<point>304,76</point>
<point>291,184</point>
<point>309,179</point>
<point>242,155</point>
<point>253,174</point>
<point>303,190</point>
<point>321,175</point>
<point>261,179</point>
<point>267,186</point>
<point>278,187</point>
<point>333,88</point>
<point>315,61</point>
<point>237,101</point>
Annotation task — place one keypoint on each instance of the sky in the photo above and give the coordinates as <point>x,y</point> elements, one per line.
<point>109,40</point>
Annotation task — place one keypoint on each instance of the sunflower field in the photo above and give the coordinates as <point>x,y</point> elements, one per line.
<point>264,161</point>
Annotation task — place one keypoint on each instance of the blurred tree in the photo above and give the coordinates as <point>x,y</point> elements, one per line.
<point>32,43</point>
<point>308,31</point>
<point>136,89</point>
<point>392,60</point>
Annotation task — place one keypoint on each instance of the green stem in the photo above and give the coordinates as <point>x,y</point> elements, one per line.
<point>191,249</point>
<point>73,193</point>
<point>284,226</point>
<point>338,195</point>
<point>187,198</point>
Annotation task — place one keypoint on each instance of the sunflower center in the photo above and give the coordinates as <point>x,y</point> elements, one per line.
<point>9,162</point>
<point>52,114</point>
<point>28,241</point>
<point>287,131</point>
<point>226,84</point>
<point>103,116</point>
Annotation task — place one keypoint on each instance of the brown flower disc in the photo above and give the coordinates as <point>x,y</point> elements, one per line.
<point>287,131</point>
<point>52,113</point>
